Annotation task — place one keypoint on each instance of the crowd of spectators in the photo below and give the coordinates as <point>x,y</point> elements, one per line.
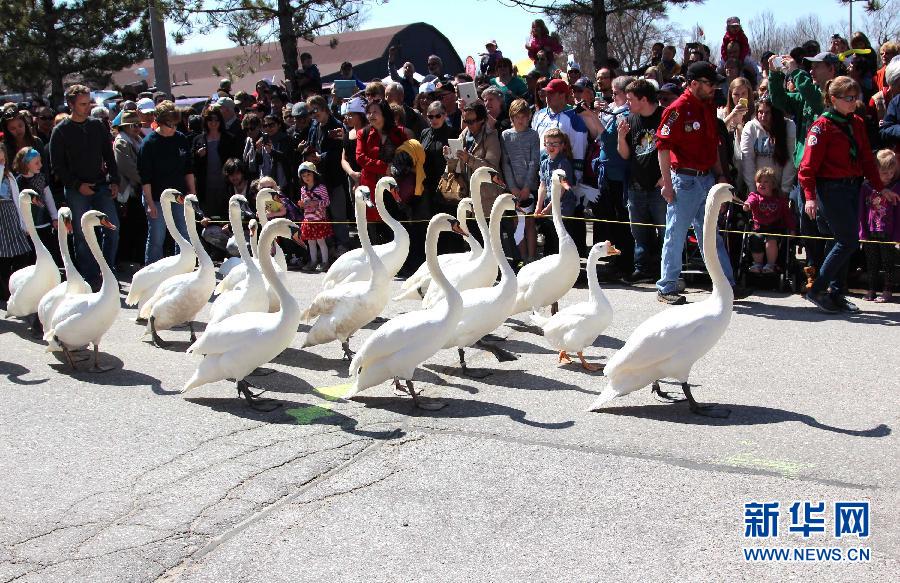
<point>796,134</point>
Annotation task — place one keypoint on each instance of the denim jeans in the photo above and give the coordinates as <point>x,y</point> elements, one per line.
<point>156,231</point>
<point>337,207</point>
<point>646,206</point>
<point>109,240</point>
<point>688,209</point>
<point>837,214</point>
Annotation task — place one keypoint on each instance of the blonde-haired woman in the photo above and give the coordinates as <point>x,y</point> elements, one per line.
<point>738,111</point>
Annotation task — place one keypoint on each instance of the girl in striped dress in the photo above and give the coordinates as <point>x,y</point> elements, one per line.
<point>15,249</point>
<point>314,201</point>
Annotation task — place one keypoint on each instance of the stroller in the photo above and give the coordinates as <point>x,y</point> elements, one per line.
<point>788,274</point>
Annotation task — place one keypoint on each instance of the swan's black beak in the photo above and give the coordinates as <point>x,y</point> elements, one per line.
<point>67,222</point>
<point>36,201</point>
<point>367,198</point>
<point>179,199</point>
<point>294,229</point>
<point>457,228</point>
<point>104,222</point>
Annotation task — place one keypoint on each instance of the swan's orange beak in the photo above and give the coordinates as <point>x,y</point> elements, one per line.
<point>68,224</point>
<point>104,222</point>
<point>611,250</point>
<point>497,180</point>
<point>36,201</point>
<point>457,228</point>
<point>179,199</point>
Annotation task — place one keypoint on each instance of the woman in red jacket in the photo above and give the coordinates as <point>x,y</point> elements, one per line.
<point>375,147</point>
<point>836,159</point>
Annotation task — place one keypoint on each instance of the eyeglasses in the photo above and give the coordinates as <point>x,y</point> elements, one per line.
<point>472,121</point>
<point>551,144</point>
<point>849,98</point>
<point>435,115</point>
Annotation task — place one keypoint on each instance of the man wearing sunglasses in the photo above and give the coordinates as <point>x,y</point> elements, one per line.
<point>326,139</point>
<point>688,150</point>
<point>43,123</point>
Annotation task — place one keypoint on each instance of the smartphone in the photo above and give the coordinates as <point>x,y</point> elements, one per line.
<point>778,63</point>
<point>742,102</point>
<point>579,107</point>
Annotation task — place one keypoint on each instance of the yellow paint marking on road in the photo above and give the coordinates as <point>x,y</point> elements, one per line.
<point>334,393</point>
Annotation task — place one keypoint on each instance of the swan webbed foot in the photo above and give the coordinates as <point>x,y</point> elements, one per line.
<point>348,354</point>
<point>379,320</point>
<point>157,341</point>
<point>68,354</point>
<point>588,366</point>
<point>664,396</point>
<point>500,354</point>
<point>703,410</point>
<point>37,329</point>
<point>96,368</point>
<point>261,371</point>
<point>193,334</point>
<point>564,357</point>
<point>427,405</point>
<point>254,400</point>
<point>140,320</point>
<point>474,373</point>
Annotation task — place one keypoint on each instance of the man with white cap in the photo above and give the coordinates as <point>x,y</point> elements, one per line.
<point>232,123</point>
<point>147,110</point>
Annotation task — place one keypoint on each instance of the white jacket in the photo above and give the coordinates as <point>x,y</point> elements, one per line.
<point>757,151</point>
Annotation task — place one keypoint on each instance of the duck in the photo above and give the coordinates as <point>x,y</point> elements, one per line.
<point>667,344</point>
<point>483,271</point>
<point>236,346</point>
<point>251,297</point>
<point>545,281</point>
<point>416,285</point>
<point>237,276</point>
<point>84,318</point>
<point>354,265</point>
<point>401,344</point>
<point>74,283</point>
<point>486,308</point>
<point>149,277</point>
<point>576,327</point>
<point>347,307</point>
<point>179,299</point>
<point>28,285</point>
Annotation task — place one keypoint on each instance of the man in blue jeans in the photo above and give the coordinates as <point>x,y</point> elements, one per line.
<point>688,151</point>
<point>165,161</point>
<point>637,145</point>
<point>81,156</point>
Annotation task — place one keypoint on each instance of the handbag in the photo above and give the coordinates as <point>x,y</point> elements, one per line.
<point>453,187</point>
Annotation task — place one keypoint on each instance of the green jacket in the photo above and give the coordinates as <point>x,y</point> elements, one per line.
<point>805,104</point>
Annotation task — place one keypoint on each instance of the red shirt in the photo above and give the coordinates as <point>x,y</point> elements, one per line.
<point>827,155</point>
<point>688,130</point>
<point>372,167</point>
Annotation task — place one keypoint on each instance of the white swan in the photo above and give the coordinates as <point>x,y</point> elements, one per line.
<point>74,283</point>
<point>544,281</point>
<point>347,307</point>
<point>667,344</point>
<point>416,285</point>
<point>251,297</point>
<point>230,263</point>
<point>236,346</point>
<point>79,318</point>
<point>482,272</point>
<point>400,345</point>
<point>28,285</point>
<point>354,265</point>
<point>486,308</point>
<point>179,299</point>
<point>574,328</point>
<point>238,275</point>
<point>148,278</point>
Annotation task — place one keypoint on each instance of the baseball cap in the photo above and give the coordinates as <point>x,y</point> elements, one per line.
<point>490,42</point>
<point>704,70</point>
<point>670,88</point>
<point>307,167</point>
<point>355,105</point>
<point>732,21</point>
<point>129,118</point>
<point>146,105</point>
<point>824,58</point>
<point>225,102</point>
<point>582,84</point>
<point>299,110</point>
<point>557,86</point>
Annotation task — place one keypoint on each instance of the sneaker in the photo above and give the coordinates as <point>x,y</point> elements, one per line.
<point>308,267</point>
<point>671,298</point>
<point>870,296</point>
<point>843,304</point>
<point>822,301</point>
<point>756,268</point>
<point>768,268</point>
<point>321,268</point>
<point>638,276</point>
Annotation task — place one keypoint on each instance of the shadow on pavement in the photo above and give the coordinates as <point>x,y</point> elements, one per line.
<point>117,377</point>
<point>516,379</point>
<point>456,409</point>
<point>740,415</point>
<point>306,360</point>
<point>13,372</point>
<point>811,314</point>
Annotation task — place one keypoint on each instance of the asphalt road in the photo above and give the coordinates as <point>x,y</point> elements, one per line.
<point>118,477</point>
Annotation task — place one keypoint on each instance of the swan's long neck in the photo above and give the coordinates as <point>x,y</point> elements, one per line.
<point>202,255</point>
<point>288,305</point>
<point>507,275</point>
<point>62,235</point>
<point>39,248</point>
<point>556,206</point>
<point>454,299</point>
<point>261,209</point>
<point>110,286</point>
<point>183,243</point>
<point>379,271</point>
<point>595,294</point>
<point>234,216</point>
<point>398,229</point>
<point>721,287</point>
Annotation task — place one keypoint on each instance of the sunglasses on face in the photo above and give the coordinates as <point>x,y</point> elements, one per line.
<point>849,98</point>
<point>472,121</point>
<point>435,115</point>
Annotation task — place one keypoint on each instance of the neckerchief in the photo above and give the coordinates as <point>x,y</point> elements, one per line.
<point>844,124</point>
